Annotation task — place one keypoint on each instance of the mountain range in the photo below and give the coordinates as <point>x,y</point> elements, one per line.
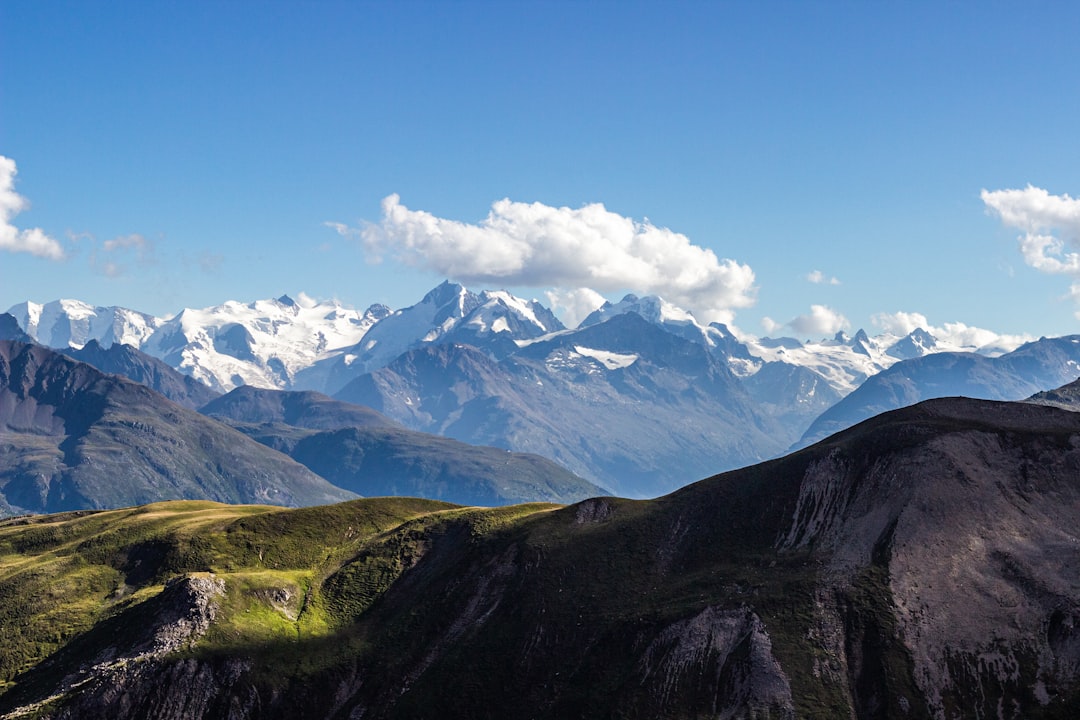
<point>921,564</point>
<point>490,368</point>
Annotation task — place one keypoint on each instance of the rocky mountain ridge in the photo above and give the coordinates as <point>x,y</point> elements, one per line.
<point>72,437</point>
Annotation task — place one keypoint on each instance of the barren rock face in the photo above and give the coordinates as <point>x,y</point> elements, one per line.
<point>728,652</point>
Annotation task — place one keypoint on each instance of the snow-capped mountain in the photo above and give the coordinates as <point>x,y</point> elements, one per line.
<point>493,321</point>
<point>846,362</point>
<point>72,323</point>
<point>289,344</point>
<point>501,319</point>
<point>264,343</point>
<point>1041,365</point>
<point>323,346</point>
<point>716,337</point>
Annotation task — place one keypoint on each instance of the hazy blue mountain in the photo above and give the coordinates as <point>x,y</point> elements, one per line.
<point>72,437</point>
<point>361,450</point>
<point>1036,366</point>
<point>378,461</point>
<point>304,409</point>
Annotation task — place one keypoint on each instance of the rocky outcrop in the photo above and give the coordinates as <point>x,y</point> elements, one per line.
<point>725,654</point>
<point>129,677</point>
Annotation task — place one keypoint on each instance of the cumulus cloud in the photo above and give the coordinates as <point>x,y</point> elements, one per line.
<point>535,245</point>
<point>818,278</point>
<point>821,320</point>
<point>900,323</point>
<point>953,333</point>
<point>12,239</point>
<point>573,306</point>
<point>1050,223</point>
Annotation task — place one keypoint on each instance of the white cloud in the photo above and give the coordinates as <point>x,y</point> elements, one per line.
<point>770,325</point>
<point>573,306</point>
<point>958,334</point>
<point>134,241</point>
<point>111,259</point>
<point>818,278</point>
<point>900,323</point>
<point>535,245</point>
<point>821,320</point>
<point>305,301</point>
<point>1051,226</point>
<point>12,239</point>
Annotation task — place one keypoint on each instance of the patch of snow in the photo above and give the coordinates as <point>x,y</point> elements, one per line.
<point>521,307</point>
<point>610,360</point>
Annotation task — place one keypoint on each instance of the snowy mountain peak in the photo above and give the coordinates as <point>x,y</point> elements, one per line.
<point>651,307</point>
<point>501,312</point>
<point>917,343</point>
<point>72,323</point>
<point>716,337</point>
<point>265,343</point>
<point>447,294</point>
<point>861,344</point>
<point>721,330</point>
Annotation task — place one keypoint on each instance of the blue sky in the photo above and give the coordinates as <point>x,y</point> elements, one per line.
<point>182,154</point>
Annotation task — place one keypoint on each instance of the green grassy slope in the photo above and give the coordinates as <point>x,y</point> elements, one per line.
<point>62,575</point>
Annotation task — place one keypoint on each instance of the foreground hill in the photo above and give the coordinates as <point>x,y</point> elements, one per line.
<point>72,437</point>
<point>923,564</point>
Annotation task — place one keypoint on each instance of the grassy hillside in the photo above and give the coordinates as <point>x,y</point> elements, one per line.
<point>65,576</point>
